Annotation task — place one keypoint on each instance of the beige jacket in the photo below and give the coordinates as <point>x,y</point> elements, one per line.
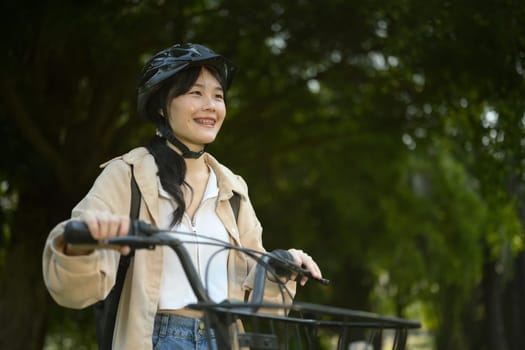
<point>80,281</point>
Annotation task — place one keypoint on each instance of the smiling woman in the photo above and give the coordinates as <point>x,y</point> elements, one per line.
<point>182,91</point>
<point>196,116</point>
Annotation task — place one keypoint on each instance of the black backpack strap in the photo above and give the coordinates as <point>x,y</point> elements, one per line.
<point>235,202</point>
<point>106,310</point>
<point>134,210</point>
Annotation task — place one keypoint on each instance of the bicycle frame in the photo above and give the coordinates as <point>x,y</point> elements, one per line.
<point>265,325</point>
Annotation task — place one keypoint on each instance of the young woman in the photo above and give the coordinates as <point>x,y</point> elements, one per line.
<point>182,90</point>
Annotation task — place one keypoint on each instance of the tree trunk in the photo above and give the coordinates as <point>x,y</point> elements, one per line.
<point>515,290</point>
<point>516,305</point>
<point>492,299</point>
<point>23,297</point>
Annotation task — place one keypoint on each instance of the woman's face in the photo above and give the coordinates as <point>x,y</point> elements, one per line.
<point>197,115</point>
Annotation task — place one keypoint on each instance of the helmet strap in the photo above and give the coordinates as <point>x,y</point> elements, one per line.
<point>166,133</point>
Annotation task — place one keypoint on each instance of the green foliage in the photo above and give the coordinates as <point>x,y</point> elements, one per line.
<point>433,241</point>
<point>71,329</point>
<point>383,137</point>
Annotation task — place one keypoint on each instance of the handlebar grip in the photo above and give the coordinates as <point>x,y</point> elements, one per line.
<point>77,232</point>
<point>284,265</point>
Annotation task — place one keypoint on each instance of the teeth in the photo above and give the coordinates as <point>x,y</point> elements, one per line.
<point>205,121</point>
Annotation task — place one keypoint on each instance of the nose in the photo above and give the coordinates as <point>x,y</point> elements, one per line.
<point>210,104</point>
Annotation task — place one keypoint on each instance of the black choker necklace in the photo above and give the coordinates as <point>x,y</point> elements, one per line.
<point>167,134</point>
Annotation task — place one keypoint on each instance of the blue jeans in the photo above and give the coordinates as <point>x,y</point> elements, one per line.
<point>174,332</point>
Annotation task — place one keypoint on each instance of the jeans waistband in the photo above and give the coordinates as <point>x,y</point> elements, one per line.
<point>166,321</point>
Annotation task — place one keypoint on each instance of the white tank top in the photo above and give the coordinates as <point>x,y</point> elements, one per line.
<point>209,261</point>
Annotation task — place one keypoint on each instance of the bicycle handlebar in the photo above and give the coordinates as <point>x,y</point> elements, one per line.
<point>278,263</point>
<point>142,235</point>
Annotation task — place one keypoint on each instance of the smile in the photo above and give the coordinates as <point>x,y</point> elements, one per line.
<point>205,121</point>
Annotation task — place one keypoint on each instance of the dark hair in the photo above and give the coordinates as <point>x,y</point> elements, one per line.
<point>171,165</point>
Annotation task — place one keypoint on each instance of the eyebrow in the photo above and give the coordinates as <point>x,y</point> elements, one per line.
<point>218,87</point>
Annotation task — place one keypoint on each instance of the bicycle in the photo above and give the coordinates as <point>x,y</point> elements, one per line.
<point>258,324</point>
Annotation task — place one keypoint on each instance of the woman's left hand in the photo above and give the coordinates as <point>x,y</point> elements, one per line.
<point>305,261</point>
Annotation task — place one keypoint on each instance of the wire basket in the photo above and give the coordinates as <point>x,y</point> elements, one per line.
<point>303,326</point>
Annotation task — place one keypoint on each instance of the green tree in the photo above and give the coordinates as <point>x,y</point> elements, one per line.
<point>468,59</point>
<point>383,137</point>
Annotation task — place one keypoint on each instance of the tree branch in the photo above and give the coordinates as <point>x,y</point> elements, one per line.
<point>29,130</point>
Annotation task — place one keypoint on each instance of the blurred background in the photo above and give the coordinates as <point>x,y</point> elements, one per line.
<point>386,138</point>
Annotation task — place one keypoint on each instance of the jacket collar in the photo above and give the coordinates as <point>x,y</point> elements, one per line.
<point>145,171</point>
<point>227,181</point>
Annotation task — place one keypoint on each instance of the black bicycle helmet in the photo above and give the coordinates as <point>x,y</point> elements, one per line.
<point>166,63</point>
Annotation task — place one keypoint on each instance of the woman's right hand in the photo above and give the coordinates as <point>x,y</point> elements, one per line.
<point>103,225</point>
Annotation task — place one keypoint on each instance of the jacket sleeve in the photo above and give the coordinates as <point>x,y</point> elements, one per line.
<point>79,281</point>
<point>250,231</point>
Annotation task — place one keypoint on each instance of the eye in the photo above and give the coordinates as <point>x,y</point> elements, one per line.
<point>195,92</point>
<point>219,96</point>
